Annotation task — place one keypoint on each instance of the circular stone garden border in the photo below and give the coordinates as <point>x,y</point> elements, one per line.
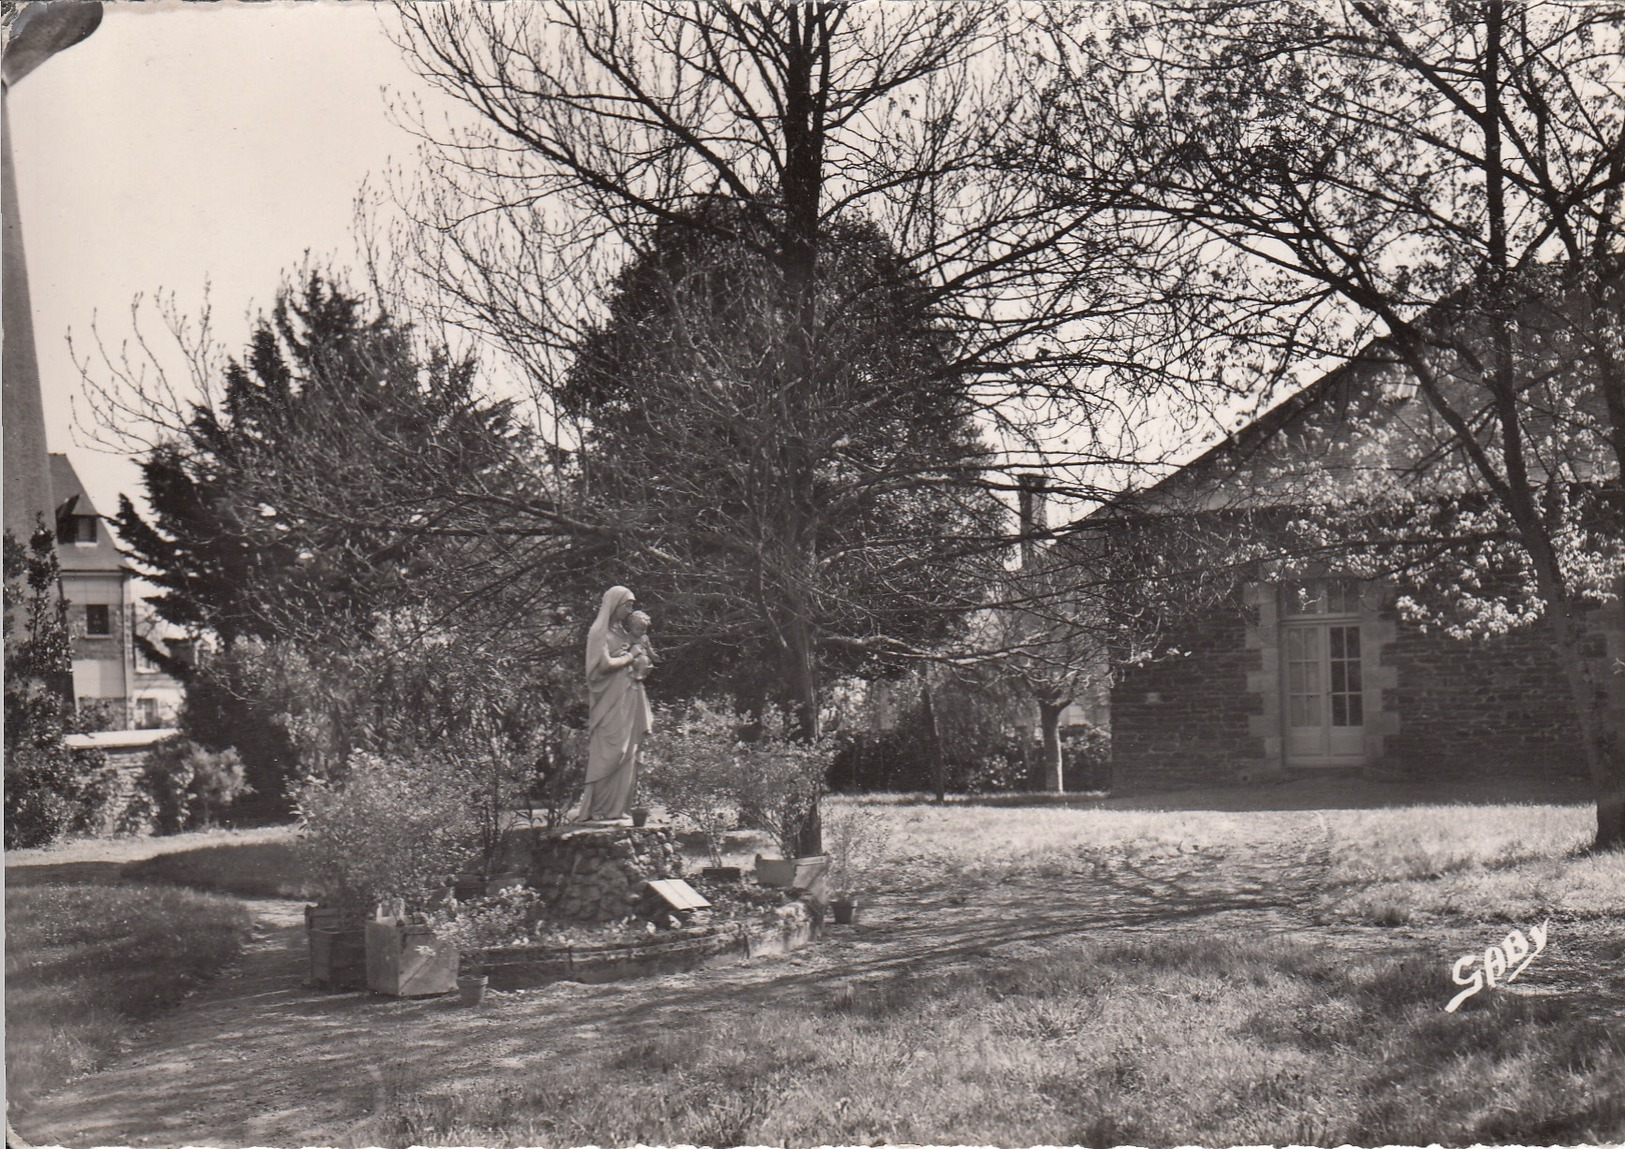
<point>782,931</point>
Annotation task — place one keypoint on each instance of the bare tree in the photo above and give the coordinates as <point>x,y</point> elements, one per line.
<point>604,123</point>
<point>1434,177</point>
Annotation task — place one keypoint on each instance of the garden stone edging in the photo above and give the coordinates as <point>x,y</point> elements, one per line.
<point>785,930</point>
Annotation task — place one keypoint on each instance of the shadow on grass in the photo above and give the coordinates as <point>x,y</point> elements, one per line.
<point>86,963</point>
<point>1197,1038</point>
<point>248,869</point>
<point>64,874</point>
<point>1325,793</point>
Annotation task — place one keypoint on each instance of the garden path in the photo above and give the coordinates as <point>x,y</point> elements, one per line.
<point>256,1058</point>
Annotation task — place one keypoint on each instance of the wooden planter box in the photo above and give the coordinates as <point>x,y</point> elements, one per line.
<point>334,917</point>
<point>812,875</point>
<point>338,958</point>
<point>775,872</point>
<point>808,873</point>
<point>337,945</point>
<point>408,961</point>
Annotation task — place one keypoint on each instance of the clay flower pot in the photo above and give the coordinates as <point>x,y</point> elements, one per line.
<point>471,988</point>
<point>640,815</point>
<point>845,909</point>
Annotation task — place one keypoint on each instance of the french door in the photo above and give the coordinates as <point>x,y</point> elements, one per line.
<point>1323,695</point>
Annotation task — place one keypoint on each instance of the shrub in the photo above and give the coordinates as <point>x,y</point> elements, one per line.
<point>854,838</point>
<point>189,785</point>
<point>697,769</point>
<point>780,785</point>
<point>968,723</point>
<point>702,770</point>
<point>389,830</point>
<point>42,798</point>
<point>996,771</point>
<point>1086,754</point>
<point>41,783</point>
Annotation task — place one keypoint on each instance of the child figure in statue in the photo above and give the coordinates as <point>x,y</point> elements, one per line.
<point>637,630</point>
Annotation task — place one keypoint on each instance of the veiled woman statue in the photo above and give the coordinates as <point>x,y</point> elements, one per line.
<point>619,715</point>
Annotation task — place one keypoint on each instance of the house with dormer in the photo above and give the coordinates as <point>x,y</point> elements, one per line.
<point>105,615</point>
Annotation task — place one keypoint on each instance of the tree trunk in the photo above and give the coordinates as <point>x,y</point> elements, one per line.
<point>804,682</point>
<point>1600,743</point>
<point>939,767</point>
<point>1049,718</point>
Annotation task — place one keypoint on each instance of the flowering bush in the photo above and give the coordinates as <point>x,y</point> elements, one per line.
<point>697,768</point>
<point>390,829</point>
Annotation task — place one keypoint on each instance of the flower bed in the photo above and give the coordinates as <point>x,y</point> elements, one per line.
<point>581,920</point>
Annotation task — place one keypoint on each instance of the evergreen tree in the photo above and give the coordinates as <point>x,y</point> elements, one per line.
<point>302,501</point>
<point>42,789</point>
<point>324,487</point>
<point>855,502</point>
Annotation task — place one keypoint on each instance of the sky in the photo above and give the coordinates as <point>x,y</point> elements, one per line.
<point>184,145</point>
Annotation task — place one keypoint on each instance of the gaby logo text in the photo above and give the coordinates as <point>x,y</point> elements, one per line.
<point>1498,964</point>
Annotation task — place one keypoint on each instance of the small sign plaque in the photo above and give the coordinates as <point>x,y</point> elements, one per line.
<point>678,895</point>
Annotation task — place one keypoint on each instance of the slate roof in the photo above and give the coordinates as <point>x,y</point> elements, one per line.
<point>69,497</point>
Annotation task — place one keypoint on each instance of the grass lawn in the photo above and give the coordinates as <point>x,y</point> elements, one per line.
<point>1201,1039</point>
<point>87,964</point>
<point>1159,972</point>
<point>251,869</point>
<point>1326,1034</point>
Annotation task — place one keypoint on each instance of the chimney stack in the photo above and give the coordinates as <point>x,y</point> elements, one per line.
<point>1034,513</point>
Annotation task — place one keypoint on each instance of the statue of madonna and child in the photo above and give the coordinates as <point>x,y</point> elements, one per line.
<point>619,657</point>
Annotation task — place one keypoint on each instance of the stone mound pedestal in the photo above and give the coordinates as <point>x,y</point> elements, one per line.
<point>593,873</point>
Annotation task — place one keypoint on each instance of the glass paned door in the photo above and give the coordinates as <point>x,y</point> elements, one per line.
<point>1323,695</point>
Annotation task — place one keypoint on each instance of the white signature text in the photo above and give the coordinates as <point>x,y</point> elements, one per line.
<point>1498,964</point>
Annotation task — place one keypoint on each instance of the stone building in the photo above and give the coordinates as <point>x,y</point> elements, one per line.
<point>1321,672</point>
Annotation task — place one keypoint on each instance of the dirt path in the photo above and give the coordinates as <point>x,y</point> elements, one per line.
<point>255,1058</point>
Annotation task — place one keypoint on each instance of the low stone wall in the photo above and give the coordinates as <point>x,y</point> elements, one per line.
<point>784,930</point>
<point>593,873</point>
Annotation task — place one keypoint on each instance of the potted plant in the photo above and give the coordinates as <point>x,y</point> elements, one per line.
<point>471,987</point>
<point>781,789</point>
<point>387,831</point>
<point>853,837</point>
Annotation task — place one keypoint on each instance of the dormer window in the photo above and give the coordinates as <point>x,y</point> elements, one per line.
<point>76,529</point>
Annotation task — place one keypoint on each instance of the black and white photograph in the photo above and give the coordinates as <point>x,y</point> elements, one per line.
<point>814,573</point>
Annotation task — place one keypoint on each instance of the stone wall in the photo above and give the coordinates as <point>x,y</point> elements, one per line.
<point>1470,709</point>
<point>1183,719</point>
<point>1438,709</point>
<point>593,873</point>
<point>784,930</point>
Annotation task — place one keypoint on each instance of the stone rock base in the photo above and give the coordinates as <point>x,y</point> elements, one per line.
<point>593,874</point>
